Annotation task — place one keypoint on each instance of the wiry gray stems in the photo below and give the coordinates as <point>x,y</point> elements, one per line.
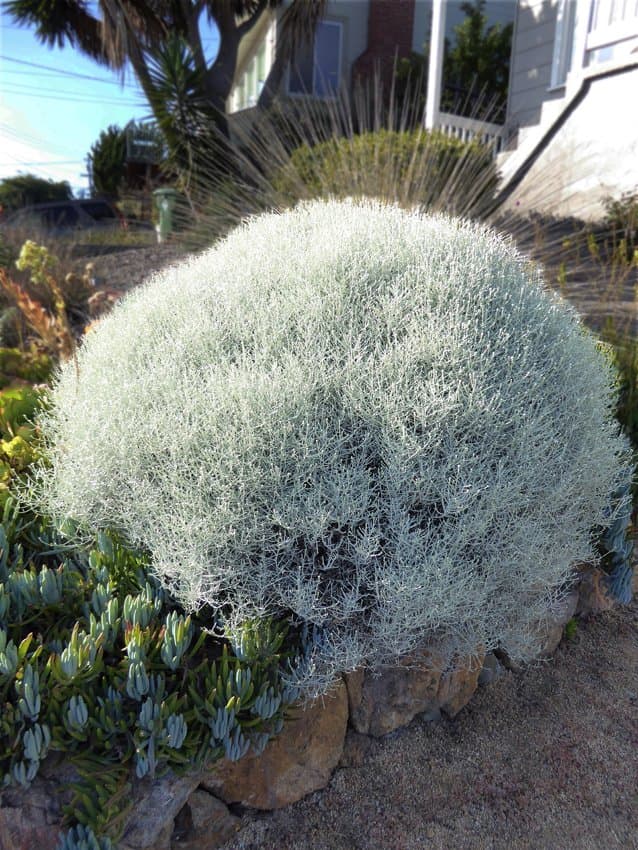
<point>375,420</point>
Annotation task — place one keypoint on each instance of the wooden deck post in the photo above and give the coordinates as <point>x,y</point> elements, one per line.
<point>435,68</point>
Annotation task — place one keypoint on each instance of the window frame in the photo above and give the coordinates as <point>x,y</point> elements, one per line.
<point>564,34</point>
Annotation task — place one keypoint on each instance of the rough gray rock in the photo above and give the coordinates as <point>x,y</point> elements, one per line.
<point>156,803</point>
<point>392,697</point>
<point>457,686</point>
<point>206,823</point>
<point>492,670</point>
<point>549,632</point>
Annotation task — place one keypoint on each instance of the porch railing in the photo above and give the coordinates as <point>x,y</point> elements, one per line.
<point>468,129</point>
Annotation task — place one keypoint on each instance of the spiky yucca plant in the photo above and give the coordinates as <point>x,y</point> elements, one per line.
<point>376,422</point>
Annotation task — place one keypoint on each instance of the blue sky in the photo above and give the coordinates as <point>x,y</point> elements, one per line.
<point>49,116</point>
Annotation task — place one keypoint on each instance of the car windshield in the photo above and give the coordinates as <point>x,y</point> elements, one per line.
<point>63,216</point>
<point>98,210</point>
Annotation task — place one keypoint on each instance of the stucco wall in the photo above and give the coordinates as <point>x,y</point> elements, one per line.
<point>593,155</point>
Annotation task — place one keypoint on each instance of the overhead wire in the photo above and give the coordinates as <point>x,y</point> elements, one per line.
<point>59,71</point>
<point>33,141</point>
<point>69,97</point>
<point>43,162</point>
<point>40,74</point>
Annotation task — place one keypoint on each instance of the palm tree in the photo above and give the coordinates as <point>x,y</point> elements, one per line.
<point>161,40</point>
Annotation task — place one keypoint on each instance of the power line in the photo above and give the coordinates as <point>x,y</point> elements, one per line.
<point>44,162</point>
<point>38,74</point>
<point>32,84</point>
<point>57,70</point>
<point>32,140</point>
<point>91,100</point>
<point>25,87</point>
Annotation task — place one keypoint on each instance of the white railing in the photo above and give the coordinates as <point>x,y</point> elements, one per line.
<point>468,129</point>
<point>611,21</point>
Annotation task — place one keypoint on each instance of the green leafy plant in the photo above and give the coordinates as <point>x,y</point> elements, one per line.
<point>98,664</point>
<point>622,219</point>
<point>30,366</point>
<point>101,667</point>
<point>50,305</point>
<point>386,430</point>
<point>18,437</point>
<point>25,189</point>
<point>107,162</point>
<point>571,627</point>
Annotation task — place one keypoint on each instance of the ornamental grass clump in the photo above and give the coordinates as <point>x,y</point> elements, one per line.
<point>373,422</point>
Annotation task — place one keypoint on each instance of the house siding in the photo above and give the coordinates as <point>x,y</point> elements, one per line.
<point>594,154</point>
<point>532,55</point>
<point>353,16</point>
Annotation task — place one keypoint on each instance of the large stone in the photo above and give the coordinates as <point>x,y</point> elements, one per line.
<point>31,819</point>
<point>548,633</point>
<point>30,826</point>
<point>300,760</point>
<point>155,804</point>
<point>458,685</point>
<point>592,592</point>
<point>492,670</point>
<point>207,823</point>
<point>356,749</point>
<point>383,700</point>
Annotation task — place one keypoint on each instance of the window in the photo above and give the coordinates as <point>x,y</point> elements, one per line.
<point>563,42</point>
<point>261,68</point>
<point>316,69</point>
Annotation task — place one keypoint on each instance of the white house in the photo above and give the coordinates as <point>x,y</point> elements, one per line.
<point>573,105</point>
<point>570,136</point>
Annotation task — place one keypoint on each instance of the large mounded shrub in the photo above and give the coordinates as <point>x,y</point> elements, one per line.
<point>428,168</point>
<point>376,420</point>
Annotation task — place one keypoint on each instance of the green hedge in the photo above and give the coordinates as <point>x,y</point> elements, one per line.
<point>428,168</point>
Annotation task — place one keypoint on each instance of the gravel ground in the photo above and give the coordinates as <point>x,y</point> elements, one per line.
<point>126,268</point>
<point>542,760</point>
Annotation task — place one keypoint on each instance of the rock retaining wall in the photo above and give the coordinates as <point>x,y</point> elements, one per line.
<point>192,812</point>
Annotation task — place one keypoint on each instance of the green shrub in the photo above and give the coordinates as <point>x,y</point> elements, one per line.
<point>18,437</point>
<point>31,366</point>
<point>412,167</point>
<point>374,422</point>
<point>98,664</point>
<point>622,219</point>
<point>624,352</point>
<point>11,328</point>
<point>8,252</point>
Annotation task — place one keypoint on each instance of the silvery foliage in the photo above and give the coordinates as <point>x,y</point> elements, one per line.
<point>377,420</point>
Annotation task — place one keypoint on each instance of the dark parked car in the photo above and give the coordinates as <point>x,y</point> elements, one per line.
<point>64,217</point>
